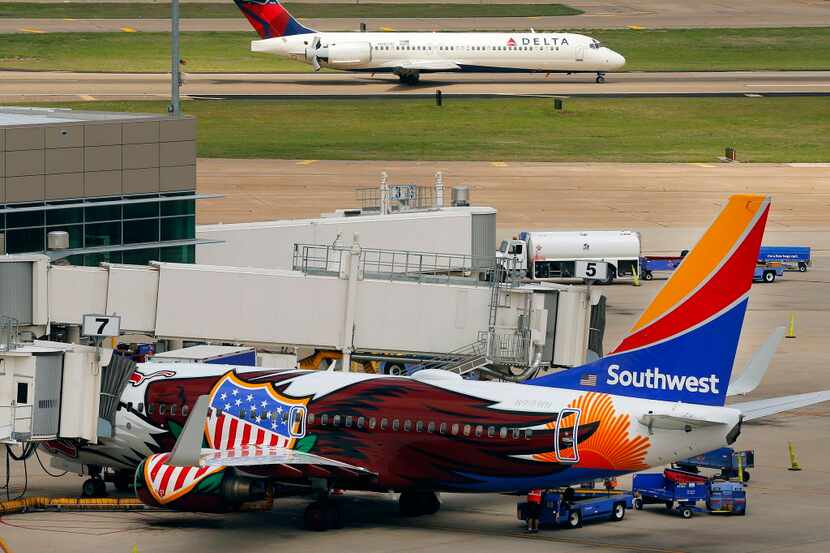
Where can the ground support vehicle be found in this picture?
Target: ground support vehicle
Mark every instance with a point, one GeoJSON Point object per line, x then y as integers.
{"type": "Point", "coordinates": [681, 491]}
{"type": "Point", "coordinates": [649, 264]}
{"type": "Point", "coordinates": [725, 459]}
{"type": "Point", "coordinates": [768, 272]}
{"type": "Point", "coordinates": [793, 258]}
{"type": "Point", "coordinates": [571, 507]}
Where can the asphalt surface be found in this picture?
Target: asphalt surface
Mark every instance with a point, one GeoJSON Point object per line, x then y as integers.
{"type": "Point", "coordinates": [22, 86]}
{"type": "Point", "coordinates": [605, 14]}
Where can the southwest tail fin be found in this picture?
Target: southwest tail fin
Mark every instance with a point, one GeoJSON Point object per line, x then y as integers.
{"type": "Point", "coordinates": [683, 346]}
{"type": "Point", "coordinates": [270, 19]}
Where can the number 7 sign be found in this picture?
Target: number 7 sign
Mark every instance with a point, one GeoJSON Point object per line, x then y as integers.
{"type": "Point", "coordinates": [101, 325]}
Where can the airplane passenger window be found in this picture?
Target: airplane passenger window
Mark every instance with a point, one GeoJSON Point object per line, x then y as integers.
{"type": "Point", "coordinates": [443, 428]}
{"type": "Point", "coordinates": [285, 416]}
{"type": "Point", "coordinates": [528, 434]}
{"type": "Point", "coordinates": [185, 410]}
{"type": "Point", "coordinates": [310, 418]}
{"type": "Point", "coordinates": [162, 408]}
{"type": "Point", "coordinates": [516, 433]}
{"type": "Point", "coordinates": [383, 423]}
{"type": "Point", "coordinates": [479, 431]}
{"type": "Point", "coordinates": [454, 430]}
{"type": "Point", "coordinates": [335, 421]}
{"type": "Point", "coordinates": [361, 421]}
{"type": "Point", "coordinates": [324, 420]}
{"type": "Point", "coordinates": [372, 423]}
{"type": "Point", "coordinates": [407, 425]}
{"type": "Point", "coordinates": [503, 433]}
{"type": "Point", "coordinates": [431, 427]}
{"type": "Point", "coordinates": [173, 410]}
{"type": "Point", "coordinates": [419, 426]}
{"type": "Point", "coordinates": [467, 429]}
{"type": "Point", "coordinates": [491, 431]}
{"type": "Point", "coordinates": [396, 425]}
{"type": "Point", "coordinates": [242, 415]}
{"type": "Point", "coordinates": [140, 407]}
{"type": "Point", "coordinates": [150, 408]}
{"type": "Point", "coordinates": [348, 421]}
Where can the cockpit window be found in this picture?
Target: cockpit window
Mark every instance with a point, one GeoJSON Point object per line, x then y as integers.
{"type": "Point", "coordinates": [597, 45]}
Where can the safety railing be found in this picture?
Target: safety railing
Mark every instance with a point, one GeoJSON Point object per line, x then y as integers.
{"type": "Point", "coordinates": [9, 333]}
{"type": "Point", "coordinates": [405, 265]}
{"type": "Point", "coordinates": [397, 198]}
{"type": "Point", "coordinates": [507, 348]}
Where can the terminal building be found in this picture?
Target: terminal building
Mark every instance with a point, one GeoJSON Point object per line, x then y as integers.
{"type": "Point", "coordinates": [91, 187]}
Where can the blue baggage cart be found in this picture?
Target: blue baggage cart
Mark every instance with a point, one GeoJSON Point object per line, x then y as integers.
{"type": "Point", "coordinates": [725, 459]}
{"type": "Point", "coordinates": [768, 272]}
{"type": "Point", "coordinates": [677, 490]}
{"type": "Point", "coordinates": [571, 508]}
{"type": "Point", "coordinates": [794, 258]}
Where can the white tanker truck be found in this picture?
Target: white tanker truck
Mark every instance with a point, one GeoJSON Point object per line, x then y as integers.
{"type": "Point", "coordinates": [552, 255]}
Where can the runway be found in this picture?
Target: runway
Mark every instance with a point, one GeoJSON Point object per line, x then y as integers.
{"type": "Point", "coordinates": [22, 86]}
{"type": "Point", "coordinates": [599, 14]}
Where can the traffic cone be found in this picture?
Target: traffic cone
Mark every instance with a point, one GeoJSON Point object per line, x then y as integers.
{"type": "Point", "coordinates": [791, 331]}
{"type": "Point", "coordinates": [793, 459]}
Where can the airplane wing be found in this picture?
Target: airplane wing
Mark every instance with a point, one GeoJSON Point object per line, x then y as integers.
{"type": "Point", "coordinates": [429, 65]}
{"type": "Point", "coordinates": [764, 407]}
{"type": "Point", "coordinates": [757, 367]}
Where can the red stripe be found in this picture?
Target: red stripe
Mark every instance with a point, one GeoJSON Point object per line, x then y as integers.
{"type": "Point", "coordinates": [274, 439]}
{"type": "Point", "coordinates": [246, 433]}
{"type": "Point", "coordinates": [155, 470]}
{"type": "Point", "coordinates": [180, 480]}
{"type": "Point", "coordinates": [730, 282]}
{"type": "Point", "coordinates": [217, 439]}
{"type": "Point", "coordinates": [165, 478]}
{"type": "Point", "coordinates": [232, 432]}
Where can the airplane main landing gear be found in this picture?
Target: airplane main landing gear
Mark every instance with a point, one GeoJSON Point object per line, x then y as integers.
{"type": "Point", "coordinates": [322, 515]}
{"type": "Point", "coordinates": [94, 486]}
{"type": "Point", "coordinates": [416, 503]}
{"type": "Point", "coordinates": [409, 77]}
{"type": "Point", "coordinates": [600, 78]}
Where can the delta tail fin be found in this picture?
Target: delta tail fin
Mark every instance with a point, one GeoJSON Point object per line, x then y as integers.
{"type": "Point", "coordinates": [683, 346]}
{"type": "Point", "coordinates": [270, 19]}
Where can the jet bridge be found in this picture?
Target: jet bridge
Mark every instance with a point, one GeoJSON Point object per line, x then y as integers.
{"type": "Point", "coordinates": [346, 306]}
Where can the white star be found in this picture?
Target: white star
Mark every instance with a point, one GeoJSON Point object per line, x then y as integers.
{"type": "Point", "coordinates": [279, 409]}
{"type": "Point", "coordinates": [249, 398]}
{"type": "Point", "coordinates": [274, 425]}
{"type": "Point", "coordinates": [238, 402]}
{"type": "Point", "coordinates": [235, 392]}
{"type": "Point", "coordinates": [227, 407]}
{"type": "Point", "coordinates": [258, 420]}
{"type": "Point", "coordinates": [224, 396]}
{"type": "Point", "coordinates": [263, 403]}
{"type": "Point", "coordinates": [268, 415]}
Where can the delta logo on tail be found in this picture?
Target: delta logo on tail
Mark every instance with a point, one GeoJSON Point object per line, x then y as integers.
{"type": "Point", "coordinates": [683, 346]}
{"type": "Point", "coordinates": [511, 43]}
{"type": "Point", "coordinates": [270, 19]}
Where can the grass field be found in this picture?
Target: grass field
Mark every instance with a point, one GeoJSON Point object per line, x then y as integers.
{"type": "Point", "coordinates": [657, 50]}
{"type": "Point", "coordinates": [138, 10]}
{"type": "Point", "coordinates": [650, 130]}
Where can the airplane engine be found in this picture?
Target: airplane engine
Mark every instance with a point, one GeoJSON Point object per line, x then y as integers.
{"type": "Point", "coordinates": [348, 53]}
{"type": "Point", "coordinates": [194, 489]}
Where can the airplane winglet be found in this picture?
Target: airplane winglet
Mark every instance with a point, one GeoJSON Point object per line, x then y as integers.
{"type": "Point", "coordinates": [188, 447]}
{"type": "Point", "coordinates": [757, 366]}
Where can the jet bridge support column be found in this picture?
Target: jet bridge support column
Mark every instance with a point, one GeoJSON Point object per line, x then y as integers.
{"type": "Point", "coordinates": [353, 268]}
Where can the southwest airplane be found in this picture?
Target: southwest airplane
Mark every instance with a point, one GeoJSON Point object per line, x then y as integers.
{"type": "Point", "coordinates": [407, 55]}
{"type": "Point", "coordinates": [658, 397]}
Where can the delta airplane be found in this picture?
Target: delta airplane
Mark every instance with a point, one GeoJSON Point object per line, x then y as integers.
{"type": "Point", "coordinates": [210, 438]}
{"type": "Point", "coordinates": [407, 55]}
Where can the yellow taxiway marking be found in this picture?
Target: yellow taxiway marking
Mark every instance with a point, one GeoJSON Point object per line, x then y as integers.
{"type": "Point", "coordinates": [37, 31]}
{"type": "Point", "coordinates": [634, 27]}
{"type": "Point", "coordinates": [127, 29]}
{"type": "Point", "coordinates": [705, 165]}
{"type": "Point", "coordinates": [87, 98]}
{"type": "Point", "coordinates": [498, 164]}
{"type": "Point", "coordinates": [69, 19]}
{"type": "Point", "coordinates": [387, 29]}
{"type": "Point", "coordinates": [306, 161]}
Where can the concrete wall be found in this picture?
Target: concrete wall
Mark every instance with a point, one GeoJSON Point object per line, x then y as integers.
{"type": "Point", "coordinates": [56, 161]}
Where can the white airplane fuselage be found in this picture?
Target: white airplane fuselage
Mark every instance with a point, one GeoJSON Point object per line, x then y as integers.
{"type": "Point", "coordinates": [438, 52]}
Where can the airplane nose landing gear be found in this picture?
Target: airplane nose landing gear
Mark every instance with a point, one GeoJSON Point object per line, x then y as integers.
{"type": "Point", "coordinates": [600, 77]}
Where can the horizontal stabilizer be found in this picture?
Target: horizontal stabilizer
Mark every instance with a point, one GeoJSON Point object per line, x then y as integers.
{"type": "Point", "coordinates": [765, 407]}
{"type": "Point", "coordinates": [757, 367]}
{"type": "Point", "coordinates": [682, 419]}
{"type": "Point", "coordinates": [429, 65]}
{"type": "Point", "coordinates": [259, 455]}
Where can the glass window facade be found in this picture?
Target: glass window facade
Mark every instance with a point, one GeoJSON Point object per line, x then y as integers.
{"type": "Point", "coordinates": [134, 220]}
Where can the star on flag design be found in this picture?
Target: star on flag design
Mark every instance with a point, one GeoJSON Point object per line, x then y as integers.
{"type": "Point", "coordinates": [253, 414]}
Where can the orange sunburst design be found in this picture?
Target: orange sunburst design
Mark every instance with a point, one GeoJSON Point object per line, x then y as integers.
{"type": "Point", "coordinates": [610, 446]}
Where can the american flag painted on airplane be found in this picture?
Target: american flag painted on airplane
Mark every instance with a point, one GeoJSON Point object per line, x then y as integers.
{"type": "Point", "coordinates": [244, 414]}
{"type": "Point", "coordinates": [167, 482]}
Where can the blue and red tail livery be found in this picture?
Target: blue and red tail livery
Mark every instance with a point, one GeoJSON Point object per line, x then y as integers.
{"type": "Point", "coordinates": [270, 19]}
{"type": "Point", "coordinates": [683, 346]}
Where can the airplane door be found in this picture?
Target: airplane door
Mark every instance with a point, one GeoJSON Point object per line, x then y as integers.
{"type": "Point", "coordinates": [565, 437]}
{"type": "Point", "coordinates": [579, 54]}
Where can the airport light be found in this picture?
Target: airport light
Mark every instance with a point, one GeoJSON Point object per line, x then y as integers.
{"type": "Point", "coordinates": [175, 76]}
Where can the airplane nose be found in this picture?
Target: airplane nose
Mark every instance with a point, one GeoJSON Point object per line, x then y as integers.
{"type": "Point", "coordinates": [617, 60]}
